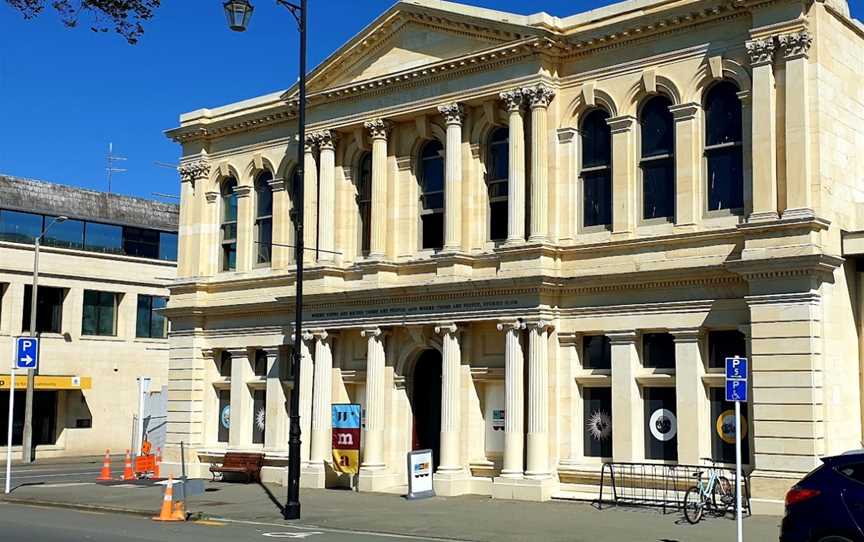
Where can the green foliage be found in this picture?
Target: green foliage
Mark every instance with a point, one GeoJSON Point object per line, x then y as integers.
{"type": "Point", "coordinates": [126, 17]}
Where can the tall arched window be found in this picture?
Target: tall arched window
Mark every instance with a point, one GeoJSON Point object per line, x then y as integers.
{"type": "Point", "coordinates": [658, 159]}
{"type": "Point", "coordinates": [364, 201]}
{"type": "Point", "coordinates": [432, 195]}
{"type": "Point", "coordinates": [497, 177]}
{"type": "Point", "coordinates": [263, 218]}
{"type": "Point", "coordinates": [596, 171]}
{"type": "Point", "coordinates": [724, 147]}
{"type": "Point", "coordinates": [228, 227]}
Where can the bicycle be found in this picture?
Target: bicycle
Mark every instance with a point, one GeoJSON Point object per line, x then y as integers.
{"type": "Point", "coordinates": [716, 494]}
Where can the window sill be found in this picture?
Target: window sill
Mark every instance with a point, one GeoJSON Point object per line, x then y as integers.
{"type": "Point", "coordinates": [150, 340]}
{"type": "Point", "coordinates": [103, 338]}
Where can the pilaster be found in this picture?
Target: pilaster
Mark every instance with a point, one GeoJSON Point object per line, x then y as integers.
{"type": "Point", "coordinates": [764, 125]}
{"type": "Point", "coordinates": [193, 176]}
{"type": "Point", "coordinates": [245, 222]}
{"type": "Point", "coordinates": [454, 115]}
{"type": "Point", "coordinates": [623, 174]}
{"type": "Point", "coordinates": [283, 227]}
{"type": "Point", "coordinates": [627, 431]}
{"type": "Point", "coordinates": [451, 478]}
{"type": "Point", "coordinates": [276, 415]}
{"type": "Point", "coordinates": [240, 433]}
{"type": "Point", "coordinates": [799, 197]}
{"type": "Point", "coordinates": [691, 402]}
{"type": "Point", "coordinates": [513, 101]}
{"type": "Point", "coordinates": [327, 195]}
{"type": "Point", "coordinates": [310, 199]}
{"type": "Point", "coordinates": [379, 130]}
{"type": "Point", "coordinates": [688, 164]}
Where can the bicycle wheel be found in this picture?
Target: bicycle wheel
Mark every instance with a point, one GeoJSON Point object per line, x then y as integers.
{"type": "Point", "coordinates": [694, 505]}
{"type": "Point", "coordinates": [723, 495]}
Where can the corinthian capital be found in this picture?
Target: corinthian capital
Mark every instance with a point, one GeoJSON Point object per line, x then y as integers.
{"type": "Point", "coordinates": [512, 99]}
{"type": "Point", "coordinates": [453, 113]}
{"type": "Point", "coordinates": [192, 171]}
{"type": "Point", "coordinates": [326, 139]}
{"type": "Point", "coordinates": [378, 128]}
{"type": "Point", "coordinates": [796, 45]}
{"type": "Point", "coordinates": [539, 95]}
{"type": "Point", "coordinates": [761, 51]}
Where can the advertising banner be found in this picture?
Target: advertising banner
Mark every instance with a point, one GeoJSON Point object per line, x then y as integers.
{"type": "Point", "coordinates": [346, 438]}
{"type": "Point", "coordinates": [420, 474]}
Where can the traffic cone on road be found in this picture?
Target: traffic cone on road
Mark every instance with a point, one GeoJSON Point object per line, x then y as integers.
{"type": "Point", "coordinates": [106, 467]}
{"type": "Point", "coordinates": [158, 466]}
{"type": "Point", "coordinates": [168, 511]}
{"type": "Point", "coordinates": [127, 469]}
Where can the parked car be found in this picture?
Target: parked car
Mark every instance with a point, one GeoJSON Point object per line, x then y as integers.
{"type": "Point", "coordinates": [827, 505]}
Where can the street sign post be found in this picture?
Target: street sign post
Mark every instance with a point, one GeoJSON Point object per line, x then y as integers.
{"type": "Point", "coordinates": [11, 416]}
{"type": "Point", "coordinates": [27, 353]}
{"type": "Point", "coordinates": [736, 391]}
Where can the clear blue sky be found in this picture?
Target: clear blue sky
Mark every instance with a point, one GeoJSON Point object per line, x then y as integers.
{"type": "Point", "coordinates": [66, 93]}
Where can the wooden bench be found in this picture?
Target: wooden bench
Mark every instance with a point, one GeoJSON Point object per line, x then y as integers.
{"type": "Point", "coordinates": [248, 464]}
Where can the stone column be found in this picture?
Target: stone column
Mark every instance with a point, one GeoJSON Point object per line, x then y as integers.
{"type": "Point", "coordinates": [327, 196]}
{"type": "Point", "coordinates": [761, 54]}
{"type": "Point", "coordinates": [453, 114]}
{"type": "Point", "coordinates": [538, 400]}
{"type": "Point", "coordinates": [208, 245]}
{"type": "Point", "coordinates": [539, 98]}
{"type": "Point", "coordinates": [245, 226]}
{"type": "Point", "coordinates": [283, 227]}
{"type": "Point", "coordinates": [513, 100]}
{"type": "Point", "coordinates": [623, 174]}
{"type": "Point", "coordinates": [451, 416]}
{"type": "Point", "coordinates": [240, 432]}
{"type": "Point", "coordinates": [321, 399]}
{"type": "Point", "coordinates": [306, 383]}
{"type": "Point", "coordinates": [514, 432]}
{"type": "Point", "coordinates": [379, 129]}
{"type": "Point", "coordinates": [691, 400]}
{"type": "Point", "coordinates": [310, 198]}
{"type": "Point", "coordinates": [276, 415]}
{"type": "Point", "coordinates": [688, 164]}
{"type": "Point", "coordinates": [373, 454]}
{"type": "Point", "coordinates": [193, 177]}
{"type": "Point", "coordinates": [799, 199]}
{"type": "Point", "coordinates": [627, 419]}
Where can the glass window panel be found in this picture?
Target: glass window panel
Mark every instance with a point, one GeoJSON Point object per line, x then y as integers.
{"type": "Point", "coordinates": [433, 230]}
{"type": "Point", "coordinates": [99, 313]}
{"type": "Point", "coordinates": [725, 178]}
{"type": "Point", "coordinates": [263, 194]}
{"type": "Point", "coordinates": [432, 167]}
{"type": "Point", "coordinates": [724, 344]}
{"type": "Point", "coordinates": [140, 242]}
{"type": "Point", "coordinates": [596, 139]}
{"type": "Point", "coordinates": [143, 316]}
{"type": "Point", "coordinates": [49, 309]}
{"type": "Point", "coordinates": [657, 127]}
{"type": "Point", "coordinates": [224, 365]}
{"type": "Point", "coordinates": [433, 201]}
{"type": "Point", "coordinates": [158, 322]}
{"type": "Point", "coordinates": [90, 318]}
{"type": "Point", "coordinates": [596, 352]}
{"type": "Point", "coordinates": [364, 178]}
{"type": "Point", "coordinates": [597, 188]}
{"type": "Point", "coordinates": [658, 192]}
{"type": "Point", "coordinates": [265, 240]}
{"type": "Point", "coordinates": [103, 237]}
{"type": "Point", "coordinates": [229, 200]}
{"type": "Point", "coordinates": [20, 227]}
{"type": "Point", "coordinates": [260, 366]}
{"type": "Point", "coordinates": [168, 246]}
{"type": "Point", "coordinates": [723, 115]}
{"type": "Point", "coordinates": [597, 405]}
{"type": "Point", "coordinates": [66, 234]}
{"type": "Point", "coordinates": [229, 257]}
{"type": "Point", "coordinates": [229, 232]}
{"type": "Point", "coordinates": [661, 424]}
{"type": "Point", "coordinates": [723, 429]}
{"type": "Point", "coordinates": [259, 416]}
{"type": "Point", "coordinates": [498, 220]}
{"type": "Point", "coordinates": [658, 350]}
{"type": "Point", "coordinates": [499, 152]}
{"type": "Point", "coordinates": [224, 414]}
{"type": "Point", "coordinates": [365, 209]}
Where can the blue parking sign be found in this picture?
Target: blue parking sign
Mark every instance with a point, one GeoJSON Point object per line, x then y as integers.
{"type": "Point", "coordinates": [736, 390]}
{"type": "Point", "coordinates": [26, 353]}
{"type": "Point", "coordinates": [736, 368]}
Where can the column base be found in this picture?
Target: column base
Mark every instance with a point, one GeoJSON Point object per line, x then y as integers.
{"type": "Point", "coordinates": [376, 479]}
{"type": "Point", "coordinates": [313, 475]}
{"type": "Point", "coordinates": [451, 483]}
{"type": "Point", "coordinates": [802, 213]}
{"type": "Point", "coordinates": [524, 489]}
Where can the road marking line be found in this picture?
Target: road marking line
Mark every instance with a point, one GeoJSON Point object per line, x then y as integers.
{"type": "Point", "coordinates": [70, 484]}
{"type": "Point", "coordinates": [291, 535]}
{"type": "Point", "coordinates": [345, 531]}
{"type": "Point", "coordinates": [16, 477]}
{"type": "Point", "coordinates": [209, 523]}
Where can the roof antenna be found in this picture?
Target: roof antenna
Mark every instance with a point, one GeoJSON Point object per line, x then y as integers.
{"type": "Point", "coordinates": [111, 169]}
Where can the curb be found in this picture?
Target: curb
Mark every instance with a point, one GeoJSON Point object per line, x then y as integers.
{"type": "Point", "coordinates": [76, 506]}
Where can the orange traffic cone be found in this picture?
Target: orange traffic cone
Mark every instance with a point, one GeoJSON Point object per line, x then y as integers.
{"type": "Point", "coordinates": [179, 511]}
{"type": "Point", "coordinates": [168, 511]}
{"type": "Point", "coordinates": [127, 469]}
{"type": "Point", "coordinates": [106, 467]}
{"type": "Point", "coordinates": [158, 463]}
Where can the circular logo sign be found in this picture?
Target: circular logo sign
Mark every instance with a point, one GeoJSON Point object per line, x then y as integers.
{"type": "Point", "coordinates": [663, 424]}
{"type": "Point", "coordinates": [726, 426]}
{"type": "Point", "coordinates": [225, 416]}
{"type": "Point", "coordinates": [599, 425]}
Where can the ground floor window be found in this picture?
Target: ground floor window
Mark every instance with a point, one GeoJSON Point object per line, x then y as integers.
{"type": "Point", "coordinates": [44, 417]}
{"type": "Point", "coordinates": [661, 424]}
{"type": "Point", "coordinates": [598, 422]}
{"type": "Point", "coordinates": [723, 428]}
{"type": "Point", "coordinates": [259, 416]}
{"type": "Point", "coordinates": [224, 415]}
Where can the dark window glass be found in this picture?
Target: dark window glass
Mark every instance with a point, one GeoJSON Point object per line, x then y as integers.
{"type": "Point", "coordinates": [855, 471]}
{"type": "Point", "coordinates": [497, 178]}
{"type": "Point", "coordinates": [723, 429]}
{"type": "Point", "coordinates": [364, 201]}
{"type": "Point", "coordinates": [264, 218]}
{"type": "Point", "coordinates": [49, 309]}
{"type": "Point", "coordinates": [596, 352]}
{"type": "Point", "coordinates": [724, 147]}
{"type": "Point", "coordinates": [658, 160]}
{"type": "Point", "coordinates": [19, 227]}
{"type": "Point", "coordinates": [658, 350]}
{"type": "Point", "coordinates": [432, 194]}
{"type": "Point", "coordinates": [596, 139]}
{"type": "Point", "coordinates": [260, 366]}
{"type": "Point", "coordinates": [224, 414]}
{"type": "Point", "coordinates": [661, 424]}
{"type": "Point", "coordinates": [229, 224]}
{"type": "Point", "coordinates": [100, 309]}
{"type": "Point", "coordinates": [66, 234]}
{"type": "Point", "coordinates": [597, 405]}
{"type": "Point", "coordinates": [224, 365]}
{"type": "Point", "coordinates": [295, 182]}
{"type": "Point", "coordinates": [151, 323]}
{"type": "Point", "coordinates": [259, 416]}
{"type": "Point", "coordinates": [103, 238]}
{"type": "Point", "coordinates": [140, 242]}
{"type": "Point", "coordinates": [168, 246]}
{"type": "Point", "coordinates": [724, 344]}
{"type": "Point", "coordinates": [596, 171]}
{"type": "Point", "coordinates": [597, 193]}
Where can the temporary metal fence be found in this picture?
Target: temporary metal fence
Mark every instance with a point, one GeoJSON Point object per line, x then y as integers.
{"type": "Point", "coordinates": [660, 485]}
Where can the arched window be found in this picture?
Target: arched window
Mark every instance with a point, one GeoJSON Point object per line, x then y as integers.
{"type": "Point", "coordinates": [432, 195]}
{"type": "Point", "coordinates": [658, 160]}
{"type": "Point", "coordinates": [596, 171]}
{"type": "Point", "coordinates": [364, 201]}
{"type": "Point", "coordinates": [263, 218]}
{"type": "Point", "coordinates": [724, 147]}
{"type": "Point", "coordinates": [229, 224]}
{"type": "Point", "coordinates": [497, 176]}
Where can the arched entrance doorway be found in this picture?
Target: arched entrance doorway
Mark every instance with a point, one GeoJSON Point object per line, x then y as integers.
{"type": "Point", "coordinates": [426, 403]}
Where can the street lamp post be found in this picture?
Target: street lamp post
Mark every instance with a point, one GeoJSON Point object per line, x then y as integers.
{"type": "Point", "coordinates": [27, 444]}
{"type": "Point", "coordinates": [239, 12]}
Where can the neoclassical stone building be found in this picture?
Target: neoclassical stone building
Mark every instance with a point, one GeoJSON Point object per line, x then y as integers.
{"type": "Point", "coordinates": [532, 241]}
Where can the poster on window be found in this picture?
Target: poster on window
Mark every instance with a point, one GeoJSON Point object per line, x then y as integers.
{"type": "Point", "coordinates": [224, 414]}
{"type": "Point", "coordinates": [494, 416]}
{"type": "Point", "coordinates": [661, 424]}
{"type": "Point", "coordinates": [259, 416]}
{"type": "Point", "coordinates": [597, 405]}
{"type": "Point", "coordinates": [723, 429]}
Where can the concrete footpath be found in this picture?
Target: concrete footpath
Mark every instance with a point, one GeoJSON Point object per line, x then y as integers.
{"type": "Point", "coordinates": [472, 518]}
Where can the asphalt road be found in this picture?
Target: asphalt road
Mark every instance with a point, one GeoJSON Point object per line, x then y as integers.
{"type": "Point", "coordinates": [57, 472]}
{"type": "Point", "coordinates": [27, 523]}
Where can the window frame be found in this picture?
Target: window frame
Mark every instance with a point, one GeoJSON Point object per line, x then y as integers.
{"type": "Point", "coordinates": [225, 242]}
{"type": "Point", "coordinates": [56, 313]}
{"type": "Point", "coordinates": [115, 301]}
{"type": "Point", "coordinates": [423, 194]}
{"type": "Point", "coordinates": [491, 182]}
{"type": "Point", "coordinates": [642, 161]}
{"type": "Point", "coordinates": [719, 148]}
{"type": "Point", "coordinates": [364, 202]}
{"type": "Point", "coordinates": [150, 316]}
{"type": "Point", "coordinates": [583, 170]}
{"type": "Point", "coordinates": [261, 185]}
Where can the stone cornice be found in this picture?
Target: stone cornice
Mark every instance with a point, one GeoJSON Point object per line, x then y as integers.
{"type": "Point", "coordinates": [820, 265]}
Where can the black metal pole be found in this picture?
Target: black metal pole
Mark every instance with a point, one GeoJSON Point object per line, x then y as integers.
{"type": "Point", "coordinates": [292, 507]}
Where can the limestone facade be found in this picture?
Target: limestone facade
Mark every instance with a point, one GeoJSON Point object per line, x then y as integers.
{"type": "Point", "coordinates": [671, 185]}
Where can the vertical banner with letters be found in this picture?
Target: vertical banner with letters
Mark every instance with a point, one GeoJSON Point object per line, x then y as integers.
{"type": "Point", "coordinates": [346, 438]}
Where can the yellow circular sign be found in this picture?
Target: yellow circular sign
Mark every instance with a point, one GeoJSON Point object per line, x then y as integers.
{"type": "Point", "coordinates": [726, 426]}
